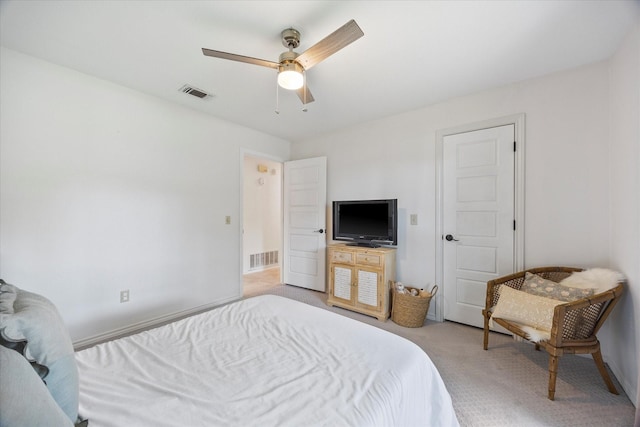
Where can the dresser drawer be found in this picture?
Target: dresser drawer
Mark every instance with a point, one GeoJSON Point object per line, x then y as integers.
{"type": "Point", "coordinates": [342, 257]}
{"type": "Point", "coordinates": [369, 259]}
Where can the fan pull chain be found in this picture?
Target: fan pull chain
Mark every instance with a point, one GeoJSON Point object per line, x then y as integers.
{"type": "Point", "coordinates": [304, 91]}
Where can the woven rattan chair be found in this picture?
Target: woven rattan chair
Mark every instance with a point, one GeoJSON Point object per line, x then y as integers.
{"type": "Point", "coordinates": [590, 313]}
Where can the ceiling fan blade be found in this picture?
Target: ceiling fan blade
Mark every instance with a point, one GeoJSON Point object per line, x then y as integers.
{"type": "Point", "coordinates": [326, 47]}
{"type": "Point", "coordinates": [306, 98]}
{"type": "Point", "coordinates": [240, 58]}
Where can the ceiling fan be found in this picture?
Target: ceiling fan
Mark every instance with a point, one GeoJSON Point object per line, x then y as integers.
{"type": "Point", "coordinates": [291, 66]}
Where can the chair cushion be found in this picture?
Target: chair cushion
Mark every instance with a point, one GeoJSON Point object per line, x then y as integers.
{"type": "Point", "coordinates": [525, 308]}
{"type": "Point", "coordinates": [31, 326]}
{"type": "Point", "coordinates": [536, 285]}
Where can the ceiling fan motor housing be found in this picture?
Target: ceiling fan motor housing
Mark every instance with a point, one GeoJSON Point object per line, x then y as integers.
{"type": "Point", "coordinates": [289, 56]}
{"type": "Point", "coordinates": [288, 65]}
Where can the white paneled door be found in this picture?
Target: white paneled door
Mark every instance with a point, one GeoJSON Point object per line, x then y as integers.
{"type": "Point", "coordinates": [478, 217]}
{"type": "Point", "coordinates": [305, 199]}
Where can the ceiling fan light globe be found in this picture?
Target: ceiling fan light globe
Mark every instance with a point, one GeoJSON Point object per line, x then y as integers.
{"type": "Point", "coordinates": [290, 74]}
{"type": "Point", "coordinates": [290, 79]}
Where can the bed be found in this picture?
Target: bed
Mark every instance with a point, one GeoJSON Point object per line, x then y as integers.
{"type": "Point", "coordinates": [267, 361]}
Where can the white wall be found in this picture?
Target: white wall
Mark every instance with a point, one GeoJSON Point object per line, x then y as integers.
{"type": "Point", "coordinates": [104, 188]}
{"type": "Point", "coordinates": [567, 174]}
{"type": "Point", "coordinates": [566, 179]}
{"type": "Point", "coordinates": [262, 209]}
{"type": "Point", "coordinates": [622, 331]}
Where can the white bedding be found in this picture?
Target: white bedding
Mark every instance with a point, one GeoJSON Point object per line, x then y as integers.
{"type": "Point", "coordinates": [266, 361]}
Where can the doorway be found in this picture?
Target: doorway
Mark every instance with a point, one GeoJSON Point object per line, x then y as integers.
{"type": "Point", "coordinates": [480, 213]}
{"type": "Point", "coordinates": [262, 224]}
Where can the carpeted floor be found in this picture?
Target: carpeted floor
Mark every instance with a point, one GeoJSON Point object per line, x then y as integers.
{"type": "Point", "coordinates": [505, 385]}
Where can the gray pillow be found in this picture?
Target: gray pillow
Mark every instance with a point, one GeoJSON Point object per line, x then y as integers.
{"type": "Point", "coordinates": [24, 398]}
{"type": "Point", "coordinates": [536, 285]}
{"type": "Point", "coordinates": [31, 325]}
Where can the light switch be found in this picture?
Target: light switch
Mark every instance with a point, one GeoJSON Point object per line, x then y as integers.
{"type": "Point", "coordinates": [227, 219]}
{"type": "Point", "coordinates": [414, 219]}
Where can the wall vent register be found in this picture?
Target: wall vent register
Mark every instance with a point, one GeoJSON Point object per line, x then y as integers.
{"type": "Point", "coordinates": [263, 259]}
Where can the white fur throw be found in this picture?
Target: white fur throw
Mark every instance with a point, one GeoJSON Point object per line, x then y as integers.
{"type": "Point", "coordinates": [601, 279]}
{"type": "Point", "coordinates": [535, 335]}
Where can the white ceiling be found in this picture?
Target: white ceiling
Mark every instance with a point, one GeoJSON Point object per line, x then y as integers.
{"type": "Point", "coordinates": [413, 53]}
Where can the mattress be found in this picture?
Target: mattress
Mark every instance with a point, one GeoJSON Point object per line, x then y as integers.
{"type": "Point", "coordinates": [267, 361]}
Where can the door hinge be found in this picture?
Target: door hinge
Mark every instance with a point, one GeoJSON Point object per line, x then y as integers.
{"type": "Point", "coordinates": [514, 224]}
{"type": "Point", "coordinates": [514, 146]}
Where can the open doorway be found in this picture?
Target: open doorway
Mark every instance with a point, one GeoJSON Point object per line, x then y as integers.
{"type": "Point", "coordinates": [262, 225]}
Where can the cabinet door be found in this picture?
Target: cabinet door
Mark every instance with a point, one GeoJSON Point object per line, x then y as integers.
{"type": "Point", "coordinates": [369, 286]}
{"type": "Point", "coordinates": [342, 283]}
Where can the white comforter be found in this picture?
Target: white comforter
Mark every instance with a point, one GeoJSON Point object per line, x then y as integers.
{"type": "Point", "coordinates": [266, 361]}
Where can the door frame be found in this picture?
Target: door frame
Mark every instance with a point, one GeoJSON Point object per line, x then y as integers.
{"type": "Point", "coordinates": [243, 153]}
{"type": "Point", "coordinates": [518, 120]}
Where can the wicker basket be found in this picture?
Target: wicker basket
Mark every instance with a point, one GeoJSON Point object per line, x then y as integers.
{"type": "Point", "coordinates": [409, 310]}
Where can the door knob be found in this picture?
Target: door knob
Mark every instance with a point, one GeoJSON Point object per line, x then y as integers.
{"type": "Point", "coordinates": [319, 231]}
{"type": "Point", "coordinates": [449, 238]}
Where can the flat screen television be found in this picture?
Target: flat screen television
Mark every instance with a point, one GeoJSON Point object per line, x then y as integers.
{"type": "Point", "coordinates": [366, 222]}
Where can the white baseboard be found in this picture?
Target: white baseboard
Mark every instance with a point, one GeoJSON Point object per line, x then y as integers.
{"type": "Point", "coordinates": [146, 324]}
{"type": "Point", "coordinates": [630, 389]}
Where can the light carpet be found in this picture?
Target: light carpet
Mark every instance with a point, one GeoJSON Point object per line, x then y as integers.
{"type": "Point", "coordinates": [505, 385]}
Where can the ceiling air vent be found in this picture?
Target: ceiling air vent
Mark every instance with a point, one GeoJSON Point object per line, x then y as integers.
{"type": "Point", "coordinates": [199, 93]}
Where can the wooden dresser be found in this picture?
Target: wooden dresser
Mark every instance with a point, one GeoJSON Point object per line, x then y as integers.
{"type": "Point", "coordinates": [359, 279]}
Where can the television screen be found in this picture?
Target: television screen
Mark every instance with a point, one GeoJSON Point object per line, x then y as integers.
{"type": "Point", "coordinates": [365, 222]}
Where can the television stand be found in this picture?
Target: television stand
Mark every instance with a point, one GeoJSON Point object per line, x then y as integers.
{"type": "Point", "coordinates": [359, 279]}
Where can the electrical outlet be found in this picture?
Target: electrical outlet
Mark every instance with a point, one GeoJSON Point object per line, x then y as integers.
{"type": "Point", "coordinates": [124, 296]}
{"type": "Point", "coordinates": [414, 219]}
